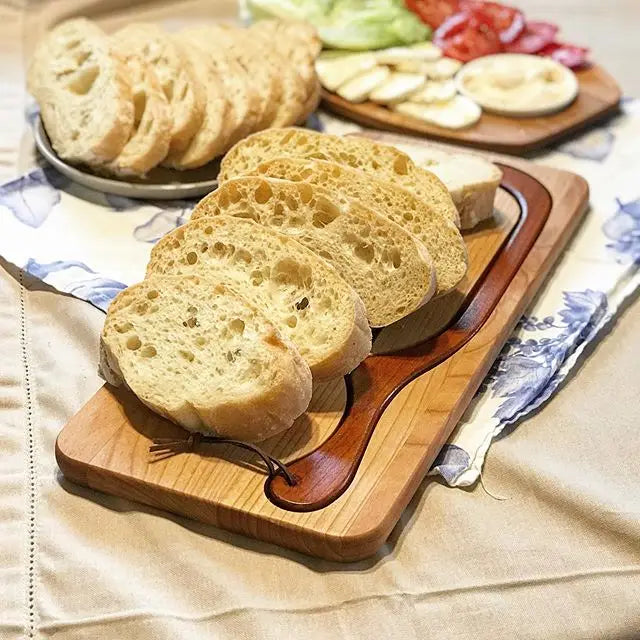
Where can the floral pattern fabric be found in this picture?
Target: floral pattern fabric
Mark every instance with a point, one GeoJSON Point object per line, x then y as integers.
{"type": "Point", "coordinates": [93, 245]}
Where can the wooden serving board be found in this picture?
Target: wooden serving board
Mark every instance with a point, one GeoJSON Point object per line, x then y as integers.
{"type": "Point", "coordinates": [599, 97]}
{"type": "Point", "coordinates": [360, 451]}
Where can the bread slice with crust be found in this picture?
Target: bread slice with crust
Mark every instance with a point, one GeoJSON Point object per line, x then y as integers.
{"type": "Point", "coordinates": [182, 88]}
{"type": "Point", "coordinates": [378, 160]}
{"type": "Point", "coordinates": [441, 237]}
{"type": "Point", "coordinates": [209, 141]}
{"type": "Point", "coordinates": [389, 269]}
{"type": "Point", "coordinates": [304, 297]}
{"type": "Point", "coordinates": [296, 43]}
{"type": "Point", "coordinates": [81, 85]}
{"type": "Point", "coordinates": [261, 65]}
{"type": "Point", "coordinates": [151, 133]}
{"type": "Point", "coordinates": [196, 352]}
{"type": "Point", "coordinates": [243, 102]}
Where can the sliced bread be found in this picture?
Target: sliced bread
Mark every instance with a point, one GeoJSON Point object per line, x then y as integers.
{"type": "Point", "coordinates": [471, 179]}
{"type": "Point", "coordinates": [440, 236]}
{"type": "Point", "coordinates": [85, 99]}
{"type": "Point", "coordinates": [260, 63]}
{"type": "Point", "coordinates": [151, 134]}
{"type": "Point", "coordinates": [378, 160]}
{"type": "Point", "coordinates": [196, 352]}
{"type": "Point", "coordinates": [293, 86]}
{"type": "Point", "coordinates": [209, 141]}
{"type": "Point", "coordinates": [182, 88]}
{"type": "Point", "coordinates": [243, 102]}
{"type": "Point", "coordinates": [304, 297]}
{"type": "Point", "coordinates": [389, 269]}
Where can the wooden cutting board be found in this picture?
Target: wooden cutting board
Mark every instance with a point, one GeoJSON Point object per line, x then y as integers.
{"type": "Point", "coordinates": [599, 97]}
{"type": "Point", "coordinates": [367, 441]}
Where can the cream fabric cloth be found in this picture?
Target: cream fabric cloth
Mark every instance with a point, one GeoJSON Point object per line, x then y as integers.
{"type": "Point", "coordinates": [558, 558]}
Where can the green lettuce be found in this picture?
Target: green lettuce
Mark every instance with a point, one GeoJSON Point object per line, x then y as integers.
{"type": "Point", "coordinates": [356, 25]}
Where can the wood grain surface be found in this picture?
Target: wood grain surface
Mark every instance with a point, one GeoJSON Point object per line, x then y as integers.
{"type": "Point", "coordinates": [598, 98]}
{"type": "Point", "coordinates": [105, 446]}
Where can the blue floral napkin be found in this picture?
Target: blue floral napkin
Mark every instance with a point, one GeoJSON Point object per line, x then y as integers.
{"type": "Point", "coordinates": [92, 245]}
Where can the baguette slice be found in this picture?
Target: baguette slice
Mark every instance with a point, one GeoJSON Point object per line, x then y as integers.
{"type": "Point", "coordinates": [243, 101]}
{"type": "Point", "coordinates": [196, 352]}
{"type": "Point", "coordinates": [471, 179]}
{"type": "Point", "coordinates": [305, 298]}
{"type": "Point", "coordinates": [299, 46]}
{"type": "Point", "coordinates": [440, 236]}
{"type": "Point", "coordinates": [209, 141]}
{"type": "Point", "coordinates": [260, 63]}
{"type": "Point", "coordinates": [378, 160]}
{"type": "Point", "coordinates": [151, 134]}
{"type": "Point", "coordinates": [389, 269]}
{"type": "Point", "coordinates": [294, 87]}
{"type": "Point", "coordinates": [85, 99]}
{"type": "Point", "coordinates": [182, 88]}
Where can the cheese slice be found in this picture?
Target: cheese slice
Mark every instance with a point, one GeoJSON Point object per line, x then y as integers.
{"type": "Point", "coordinates": [434, 91]}
{"type": "Point", "coordinates": [423, 52]}
{"type": "Point", "coordinates": [441, 69]}
{"type": "Point", "coordinates": [359, 88]}
{"type": "Point", "coordinates": [334, 71]}
{"type": "Point", "coordinates": [397, 87]}
{"type": "Point", "coordinates": [457, 113]}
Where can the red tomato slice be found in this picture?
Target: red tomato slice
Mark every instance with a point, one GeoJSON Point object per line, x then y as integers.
{"type": "Point", "coordinates": [433, 12]}
{"type": "Point", "coordinates": [507, 21]}
{"type": "Point", "coordinates": [569, 55]}
{"type": "Point", "coordinates": [466, 36]}
{"type": "Point", "coordinates": [536, 36]}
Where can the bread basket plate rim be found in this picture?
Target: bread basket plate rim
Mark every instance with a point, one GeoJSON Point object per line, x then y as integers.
{"type": "Point", "coordinates": [161, 183]}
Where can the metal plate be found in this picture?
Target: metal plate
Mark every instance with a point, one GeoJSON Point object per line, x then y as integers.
{"type": "Point", "coordinates": [159, 184]}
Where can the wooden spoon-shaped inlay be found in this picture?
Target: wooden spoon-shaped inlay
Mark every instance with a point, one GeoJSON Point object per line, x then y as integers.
{"type": "Point", "coordinates": [324, 474]}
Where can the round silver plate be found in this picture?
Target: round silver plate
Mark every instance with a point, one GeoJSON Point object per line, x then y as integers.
{"type": "Point", "coordinates": [159, 184]}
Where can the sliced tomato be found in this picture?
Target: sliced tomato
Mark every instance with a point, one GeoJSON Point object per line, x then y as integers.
{"type": "Point", "coordinates": [507, 21]}
{"type": "Point", "coordinates": [433, 12]}
{"type": "Point", "coordinates": [569, 55]}
{"type": "Point", "coordinates": [536, 36]}
{"type": "Point", "coordinates": [466, 36]}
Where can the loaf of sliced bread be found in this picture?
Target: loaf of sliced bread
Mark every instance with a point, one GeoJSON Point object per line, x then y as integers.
{"type": "Point", "coordinates": [439, 235]}
{"type": "Point", "coordinates": [296, 43]}
{"type": "Point", "coordinates": [293, 86]}
{"type": "Point", "coordinates": [378, 160]}
{"type": "Point", "coordinates": [260, 62]}
{"type": "Point", "coordinates": [304, 297]}
{"type": "Point", "coordinates": [198, 353]}
{"type": "Point", "coordinates": [182, 88]}
{"type": "Point", "coordinates": [389, 269]}
{"type": "Point", "coordinates": [243, 102]}
{"type": "Point", "coordinates": [471, 179]}
{"type": "Point", "coordinates": [81, 85]}
{"type": "Point", "coordinates": [151, 133]}
{"type": "Point", "coordinates": [209, 141]}
{"type": "Point", "coordinates": [311, 103]}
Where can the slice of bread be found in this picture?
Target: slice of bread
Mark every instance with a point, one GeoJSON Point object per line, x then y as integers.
{"type": "Point", "coordinates": [389, 269]}
{"type": "Point", "coordinates": [260, 63]}
{"type": "Point", "coordinates": [243, 102]}
{"type": "Point", "coordinates": [378, 160]}
{"type": "Point", "coordinates": [471, 179]}
{"type": "Point", "coordinates": [209, 141]}
{"type": "Point", "coordinates": [151, 134]}
{"type": "Point", "coordinates": [297, 43]}
{"type": "Point", "coordinates": [80, 82]}
{"type": "Point", "coordinates": [182, 88]}
{"type": "Point", "coordinates": [304, 297]}
{"type": "Point", "coordinates": [439, 235]}
{"type": "Point", "coordinates": [196, 352]}
{"type": "Point", "coordinates": [293, 85]}
{"type": "Point", "coordinates": [311, 104]}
